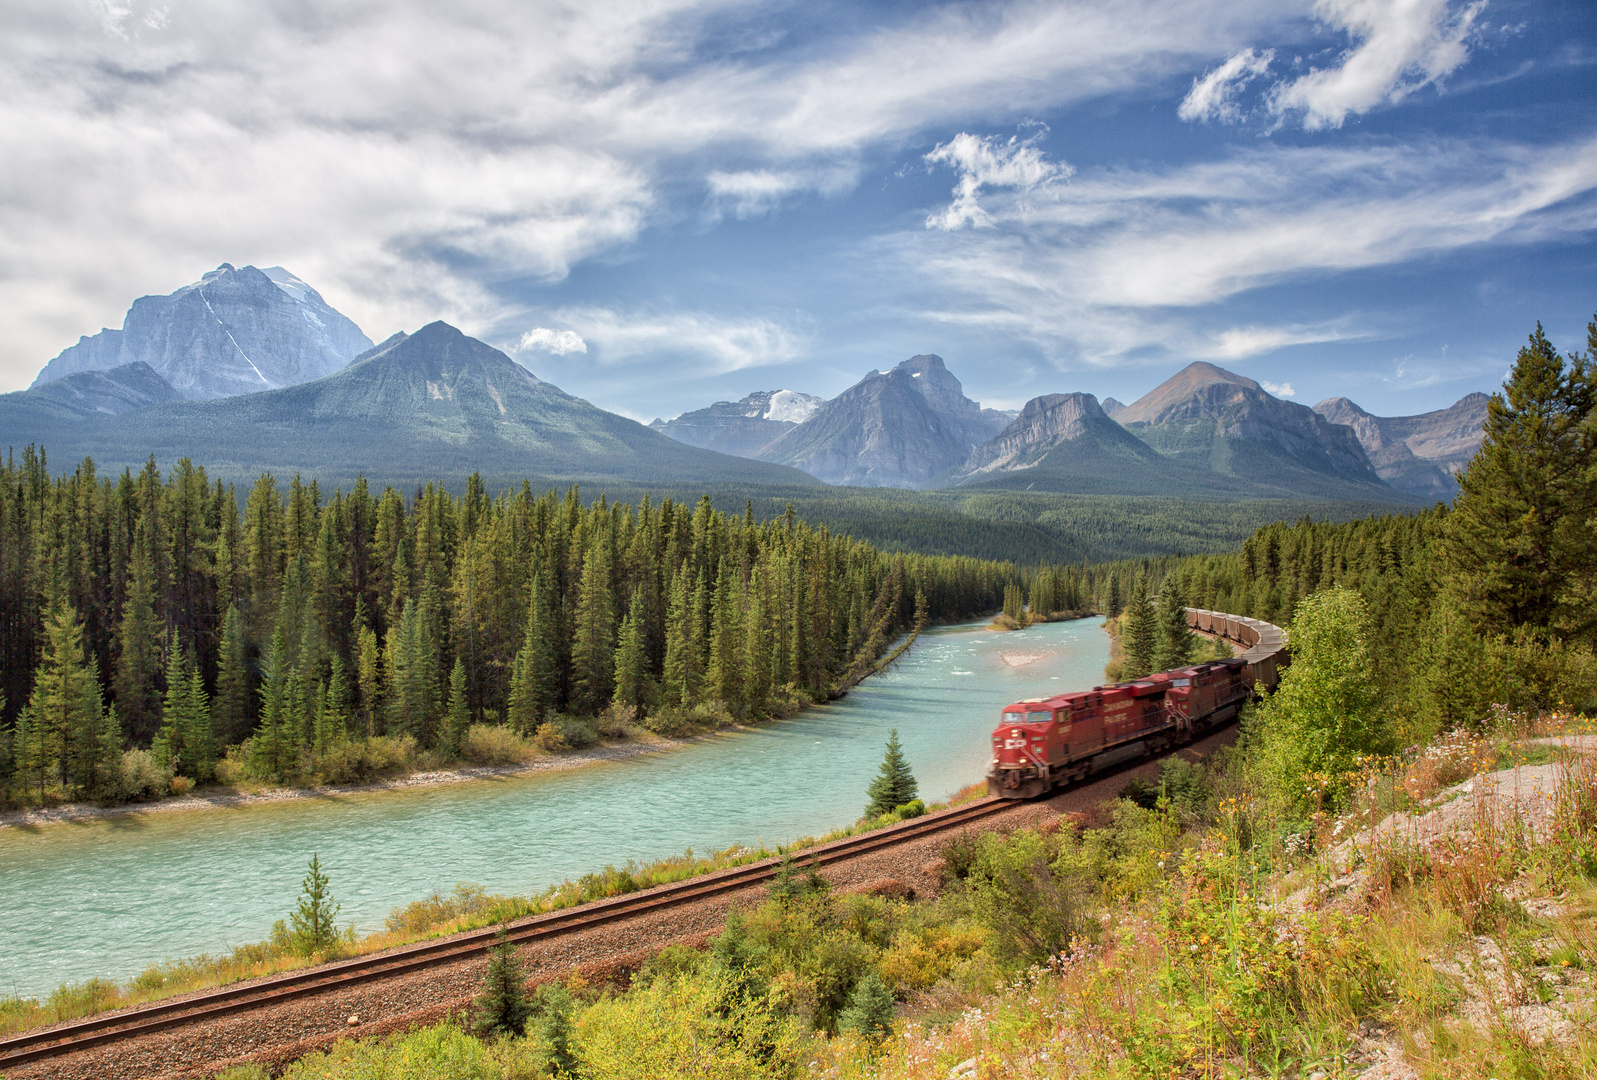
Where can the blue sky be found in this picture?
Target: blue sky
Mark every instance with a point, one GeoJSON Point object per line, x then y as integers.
{"type": "Point", "coordinates": [660, 204]}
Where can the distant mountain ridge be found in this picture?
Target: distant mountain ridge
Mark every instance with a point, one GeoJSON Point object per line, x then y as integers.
{"type": "Point", "coordinates": [427, 405]}
{"type": "Point", "coordinates": [1207, 416]}
{"type": "Point", "coordinates": [235, 331]}
{"type": "Point", "coordinates": [1419, 454]}
{"type": "Point", "coordinates": [742, 428]}
{"type": "Point", "coordinates": [896, 428]}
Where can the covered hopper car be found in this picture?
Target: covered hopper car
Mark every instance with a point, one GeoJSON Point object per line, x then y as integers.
{"type": "Point", "coordinates": [1044, 742]}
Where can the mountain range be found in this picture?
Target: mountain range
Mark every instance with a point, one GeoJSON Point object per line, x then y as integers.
{"type": "Point", "coordinates": [249, 370]}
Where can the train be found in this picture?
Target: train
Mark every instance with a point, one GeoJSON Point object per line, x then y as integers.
{"type": "Point", "coordinates": [1042, 743]}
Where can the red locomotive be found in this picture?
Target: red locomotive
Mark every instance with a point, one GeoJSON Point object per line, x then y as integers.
{"type": "Point", "coordinates": [1044, 742]}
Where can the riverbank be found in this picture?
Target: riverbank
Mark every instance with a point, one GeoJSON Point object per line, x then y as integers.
{"type": "Point", "coordinates": [233, 798]}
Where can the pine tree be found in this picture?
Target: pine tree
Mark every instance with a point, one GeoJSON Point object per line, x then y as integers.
{"type": "Point", "coordinates": [333, 717]}
{"type": "Point", "coordinates": [1138, 632]}
{"type": "Point", "coordinates": [502, 1007]}
{"type": "Point", "coordinates": [725, 674]}
{"type": "Point", "coordinates": [271, 751]}
{"type": "Point", "coordinates": [312, 925]}
{"type": "Point", "coordinates": [593, 637]}
{"type": "Point", "coordinates": [681, 674]}
{"type": "Point", "coordinates": [369, 680]}
{"type": "Point", "coordinates": [230, 712]}
{"type": "Point", "coordinates": [870, 1009]}
{"type": "Point", "coordinates": [1114, 605]}
{"type": "Point", "coordinates": [534, 678]}
{"type": "Point", "coordinates": [632, 661]}
{"type": "Point", "coordinates": [1173, 643]}
{"type": "Point", "coordinates": [894, 784]}
{"type": "Point", "coordinates": [68, 732]}
{"type": "Point", "coordinates": [1519, 544]}
{"type": "Point", "coordinates": [138, 697]}
{"type": "Point", "coordinates": [457, 717]}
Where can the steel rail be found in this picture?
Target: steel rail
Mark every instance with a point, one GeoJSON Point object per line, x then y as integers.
{"type": "Point", "coordinates": [84, 1034]}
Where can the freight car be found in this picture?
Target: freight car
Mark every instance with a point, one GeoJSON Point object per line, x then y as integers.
{"type": "Point", "coordinates": [1044, 742]}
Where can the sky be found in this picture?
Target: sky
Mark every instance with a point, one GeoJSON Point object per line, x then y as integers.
{"type": "Point", "coordinates": [657, 204]}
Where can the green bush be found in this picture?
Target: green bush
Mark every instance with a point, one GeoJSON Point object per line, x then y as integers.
{"type": "Point", "coordinates": [142, 779]}
{"type": "Point", "coordinates": [676, 722]}
{"type": "Point", "coordinates": [494, 744]}
{"type": "Point", "coordinates": [420, 916]}
{"type": "Point", "coordinates": [1029, 900]}
{"type": "Point", "coordinates": [912, 809]}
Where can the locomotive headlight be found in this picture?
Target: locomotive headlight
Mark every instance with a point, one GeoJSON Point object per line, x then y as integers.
{"type": "Point", "coordinates": [1014, 733]}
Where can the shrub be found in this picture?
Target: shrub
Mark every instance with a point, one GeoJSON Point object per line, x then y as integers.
{"type": "Point", "coordinates": [1032, 908]}
{"type": "Point", "coordinates": [675, 722]}
{"type": "Point", "coordinates": [181, 785]}
{"type": "Point", "coordinates": [359, 760]}
{"type": "Point", "coordinates": [617, 721]}
{"type": "Point", "coordinates": [493, 744]}
{"type": "Point", "coordinates": [577, 732]}
{"type": "Point", "coordinates": [81, 999]}
{"type": "Point", "coordinates": [420, 916]}
{"type": "Point", "coordinates": [549, 738]}
{"type": "Point", "coordinates": [912, 809]}
{"type": "Point", "coordinates": [142, 779]}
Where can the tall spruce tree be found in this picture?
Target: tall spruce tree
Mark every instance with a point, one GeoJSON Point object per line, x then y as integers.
{"type": "Point", "coordinates": [68, 734]}
{"type": "Point", "coordinates": [680, 678]}
{"type": "Point", "coordinates": [593, 637]}
{"type": "Point", "coordinates": [1520, 543]}
{"type": "Point", "coordinates": [138, 694]}
{"type": "Point", "coordinates": [457, 716]}
{"type": "Point", "coordinates": [1139, 632]}
{"type": "Point", "coordinates": [894, 784]}
{"type": "Point", "coordinates": [534, 677]}
{"type": "Point", "coordinates": [632, 682]}
{"type": "Point", "coordinates": [230, 712]}
{"type": "Point", "coordinates": [1173, 642]}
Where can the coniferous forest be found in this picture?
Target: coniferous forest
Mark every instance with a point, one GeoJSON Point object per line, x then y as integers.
{"type": "Point", "coordinates": [166, 616]}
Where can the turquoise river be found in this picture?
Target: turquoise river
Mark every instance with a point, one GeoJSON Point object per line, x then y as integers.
{"type": "Point", "coordinates": [109, 896]}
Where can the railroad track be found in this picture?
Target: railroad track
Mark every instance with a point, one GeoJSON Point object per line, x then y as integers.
{"type": "Point", "coordinates": [94, 1031]}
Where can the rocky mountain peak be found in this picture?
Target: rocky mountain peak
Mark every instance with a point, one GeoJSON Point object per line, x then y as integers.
{"type": "Point", "coordinates": [237, 330]}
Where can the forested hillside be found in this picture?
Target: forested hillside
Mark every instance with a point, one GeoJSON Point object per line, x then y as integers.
{"type": "Point", "coordinates": [149, 611]}
{"type": "Point", "coordinates": [1489, 602]}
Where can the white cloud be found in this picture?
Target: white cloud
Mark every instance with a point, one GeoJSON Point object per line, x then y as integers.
{"type": "Point", "coordinates": [558, 342]}
{"type": "Point", "coordinates": [991, 163]}
{"type": "Point", "coordinates": [1122, 263]}
{"type": "Point", "coordinates": [711, 344]}
{"type": "Point", "coordinates": [407, 157]}
{"type": "Point", "coordinates": [1278, 389]}
{"type": "Point", "coordinates": [1213, 95]}
{"type": "Point", "coordinates": [1402, 45]}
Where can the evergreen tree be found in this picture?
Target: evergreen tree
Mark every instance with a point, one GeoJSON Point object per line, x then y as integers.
{"type": "Point", "coordinates": [1173, 643]}
{"type": "Point", "coordinates": [870, 1009]}
{"type": "Point", "coordinates": [312, 928]}
{"type": "Point", "coordinates": [1520, 541]}
{"type": "Point", "coordinates": [183, 743]}
{"type": "Point", "coordinates": [725, 674]}
{"type": "Point", "coordinates": [502, 1007]}
{"type": "Point", "coordinates": [1114, 605]}
{"type": "Point", "coordinates": [534, 678]}
{"type": "Point", "coordinates": [593, 637]}
{"type": "Point", "coordinates": [894, 784]}
{"type": "Point", "coordinates": [230, 712]}
{"type": "Point", "coordinates": [458, 714]}
{"type": "Point", "coordinates": [138, 696]}
{"type": "Point", "coordinates": [1138, 632]}
{"type": "Point", "coordinates": [681, 674]}
{"type": "Point", "coordinates": [271, 748]}
{"type": "Point", "coordinates": [333, 718]}
{"type": "Point", "coordinates": [369, 680]}
{"type": "Point", "coordinates": [632, 661]}
{"type": "Point", "coordinates": [68, 732]}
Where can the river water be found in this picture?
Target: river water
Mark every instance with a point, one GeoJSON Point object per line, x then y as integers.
{"type": "Point", "coordinates": [108, 897]}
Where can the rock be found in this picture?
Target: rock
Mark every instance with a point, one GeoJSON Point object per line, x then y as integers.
{"type": "Point", "coordinates": [354, 1019]}
{"type": "Point", "coordinates": [964, 1068]}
